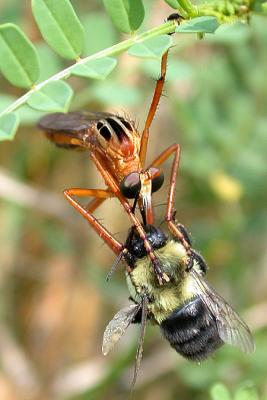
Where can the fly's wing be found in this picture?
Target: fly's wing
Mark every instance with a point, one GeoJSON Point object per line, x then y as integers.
{"type": "Point", "coordinates": [117, 326]}
{"type": "Point", "coordinates": [69, 130]}
{"type": "Point", "coordinates": [231, 328]}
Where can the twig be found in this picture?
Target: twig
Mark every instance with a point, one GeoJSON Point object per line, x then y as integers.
{"type": "Point", "coordinates": [27, 196]}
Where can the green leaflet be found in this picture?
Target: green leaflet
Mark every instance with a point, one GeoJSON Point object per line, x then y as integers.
{"type": "Point", "coordinates": [18, 57]}
{"type": "Point", "coordinates": [59, 26]}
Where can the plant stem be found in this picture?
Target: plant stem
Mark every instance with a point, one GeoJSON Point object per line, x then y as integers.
{"type": "Point", "coordinates": [165, 28]}
{"type": "Point", "coordinates": [187, 6]}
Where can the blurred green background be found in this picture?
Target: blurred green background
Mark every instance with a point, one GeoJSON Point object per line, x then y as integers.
{"type": "Point", "coordinates": [54, 300]}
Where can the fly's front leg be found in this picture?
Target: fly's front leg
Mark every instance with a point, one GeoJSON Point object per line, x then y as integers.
{"type": "Point", "coordinates": [115, 190]}
{"type": "Point", "coordinates": [175, 228]}
{"type": "Point", "coordinates": [161, 276]}
{"type": "Point", "coordinates": [153, 108]}
{"type": "Point", "coordinates": [99, 196]}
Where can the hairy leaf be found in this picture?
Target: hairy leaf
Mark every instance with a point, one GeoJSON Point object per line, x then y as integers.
{"type": "Point", "coordinates": [8, 126]}
{"type": "Point", "coordinates": [59, 26]}
{"type": "Point", "coordinates": [18, 57]}
{"type": "Point", "coordinates": [199, 25]}
{"type": "Point", "coordinates": [172, 3]}
{"type": "Point", "coordinates": [219, 392]}
{"type": "Point", "coordinates": [55, 96]}
{"type": "Point", "coordinates": [127, 15]}
{"type": "Point", "coordinates": [151, 48]}
{"type": "Point", "coordinates": [96, 69]}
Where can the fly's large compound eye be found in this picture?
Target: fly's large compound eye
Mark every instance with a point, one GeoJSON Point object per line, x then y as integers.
{"type": "Point", "coordinates": [131, 185]}
{"type": "Point", "coordinates": [157, 179]}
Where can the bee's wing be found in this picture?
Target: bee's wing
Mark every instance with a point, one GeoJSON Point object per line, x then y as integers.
{"type": "Point", "coordinates": [69, 130]}
{"type": "Point", "coordinates": [231, 328]}
{"type": "Point", "coordinates": [117, 326]}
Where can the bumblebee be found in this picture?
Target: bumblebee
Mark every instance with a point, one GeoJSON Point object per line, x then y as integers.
{"type": "Point", "coordinates": [193, 318]}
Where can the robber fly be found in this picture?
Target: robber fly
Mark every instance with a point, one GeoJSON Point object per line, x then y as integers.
{"type": "Point", "coordinates": [119, 152]}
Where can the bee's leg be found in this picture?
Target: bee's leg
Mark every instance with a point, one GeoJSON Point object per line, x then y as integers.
{"type": "Point", "coordinates": [139, 352]}
{"type": "Point", "coordinates": [138, 317]}
{"type": "Point", "coordinates": [100, 195]}
{"type": "Point", "coordinates": [153, 108]}
{"type": "Point", "coordinates": [114, 188]}
{"type": "Point", "coordinates": [201, 262]}
{"type": "Point", "coordinates": [193, 254]}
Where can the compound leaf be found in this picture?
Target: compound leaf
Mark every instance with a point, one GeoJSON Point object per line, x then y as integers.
{"type": "Point", "coordinates": [59, 26]}
{"type": "Point", "coordinates": [199, 25]}
{"type": "Point", "coordinates": [8, 126]}
{"type": "Point", "coordinates": [53, 97]}
{"type": "Point", "coordinates": [18, 57]}
{"type": "Point", "coordinates": [96, 69]}
{"type": "Point", "coordinates": [127, 15]}
{"type": "Point", "coordinates": [151, 48]}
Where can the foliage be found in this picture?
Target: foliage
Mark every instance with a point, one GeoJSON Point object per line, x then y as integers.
{"type": "Point", "coordinates": [246, 391]}
{"type": "Point", "coordinates": [63, 31]}
{"type": "Point", "coordinates": [55, 302]}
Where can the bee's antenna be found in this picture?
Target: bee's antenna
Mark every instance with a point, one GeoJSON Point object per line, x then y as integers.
{"type": "Point", "coordinates": [114, 266]}
{"type": "Point", "coordinates": [140, 347]}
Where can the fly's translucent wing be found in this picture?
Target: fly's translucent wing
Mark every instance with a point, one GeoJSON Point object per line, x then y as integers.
{"type": "Point", "coordinates": [117, 326]}
{"type": "Point", "coordinates": [69, 130]}
{"type": "Point", "coordinates": [72, 122]}
{"type": "Point", "coordinates": [231, 328]}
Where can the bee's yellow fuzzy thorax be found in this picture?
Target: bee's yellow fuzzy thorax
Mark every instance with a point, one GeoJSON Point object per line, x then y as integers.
{"type": "Point", "coordinates": [166, 298]}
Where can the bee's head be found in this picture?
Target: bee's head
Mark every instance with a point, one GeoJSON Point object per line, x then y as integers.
{"type": "Point", "coordinates": [135, 244]}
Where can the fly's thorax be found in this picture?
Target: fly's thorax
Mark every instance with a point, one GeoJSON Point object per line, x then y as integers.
{"type": "Point", "coordinates": [119, 142]}
{"type": "Point", "coordinates": [163, 299]}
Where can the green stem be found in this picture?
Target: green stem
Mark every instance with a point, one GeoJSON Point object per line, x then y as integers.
{"type": "Point", "coordinates": [204, 11]}
{"type": "Point", "coordinates": [165, 28]}
{"type": "Point", "coordinates": [190, 9]}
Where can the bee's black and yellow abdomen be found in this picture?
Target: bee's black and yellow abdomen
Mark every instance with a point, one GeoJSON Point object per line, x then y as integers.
{"type": "Point", "coordinates": [192, 331]}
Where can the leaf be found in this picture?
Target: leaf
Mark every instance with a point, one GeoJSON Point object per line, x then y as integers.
{"type": "Point", "coordinates": [96, 69]}
{"type": "Point", "coordinates": [127, 15]}
{"type": "Point", "coordinates": [151, 48]}
{"type": "Point", "coordinates": [199, 25]}
{"type": "Point", "coordinates": [8, 126]}
{"type": "Point", "coordinates": [5, 101]}
{"type": "Point", "coordinates": [257, 5]}
{"type": "Point", "coordinates": [172, 3]}
{"type": "Point", "coordinates": [55, 96]}
{"type": "Point", "coordinates": [18, 58]}
{"type": "Point", "coordinates": [28, 116]}
{"type": "Point", "coordinates": [220, 392]}
{"type": "Point", "coordinates": [59, 26]}
{"type": "Point", "coordinates": [50, 68]}
{"type": "Point", "coordinates": [246, 392]}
